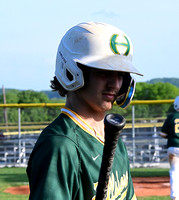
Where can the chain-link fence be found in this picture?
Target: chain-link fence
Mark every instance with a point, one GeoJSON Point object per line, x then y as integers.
{"type": "Point", "coordinates": [21, 124]}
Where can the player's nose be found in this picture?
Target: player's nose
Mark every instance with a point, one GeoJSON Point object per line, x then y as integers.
{"type": "Point", "coordinates": [115, 80]}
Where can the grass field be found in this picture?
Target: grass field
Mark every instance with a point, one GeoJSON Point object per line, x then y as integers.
{"type": "Point", "coordinates": [149, 172]}
{"type": "Point", "coordinates": [17, 176]}
{"type": "Point", "coordinates": [12, 177]}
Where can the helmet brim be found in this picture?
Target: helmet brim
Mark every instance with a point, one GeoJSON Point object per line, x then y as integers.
{"type": "Point", "coordinates": [111, 63]}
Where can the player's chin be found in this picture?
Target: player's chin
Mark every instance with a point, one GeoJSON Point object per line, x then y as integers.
{"type": "Point", "coordinates": [107, 105]}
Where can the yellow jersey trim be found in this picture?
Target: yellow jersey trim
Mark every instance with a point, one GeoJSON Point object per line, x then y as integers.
{"type": "Point", "coordinates": [81, 123]}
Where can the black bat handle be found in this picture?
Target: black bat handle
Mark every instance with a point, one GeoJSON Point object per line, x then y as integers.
{"type": "Point", "coordinates": [114, 123]}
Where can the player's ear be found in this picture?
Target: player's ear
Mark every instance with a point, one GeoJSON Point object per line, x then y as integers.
{"type": "Point", "coordinates": [126, 92]}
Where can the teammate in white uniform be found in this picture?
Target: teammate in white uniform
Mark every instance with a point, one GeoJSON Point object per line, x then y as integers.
{"type": "Point", "coordinates": [170, 130]}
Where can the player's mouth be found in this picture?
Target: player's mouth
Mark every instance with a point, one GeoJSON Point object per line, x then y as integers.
{"type": "Point", "coordinates": [109, 96]}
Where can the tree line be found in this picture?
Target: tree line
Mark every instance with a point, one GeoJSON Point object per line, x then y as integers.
{"type": "Point", "coordinates": [36, 114]}
{"type": "Point", "coordinates": [144, 91]}
{"type": "Point", "coordinates": [148, 91]}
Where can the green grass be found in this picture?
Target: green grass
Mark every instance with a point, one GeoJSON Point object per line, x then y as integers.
{"type": "Point", "coordinates": [12, 177]}
{"type": "Point", "coordinates": [149, 172]}
{"type": "Point", "coordinates": [17, 176]}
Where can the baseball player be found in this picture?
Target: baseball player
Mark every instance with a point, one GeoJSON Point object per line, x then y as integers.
{"type": "Point", "coordinates": [170, 130]}
{"type": "Point", "coordinates": [93, 67]}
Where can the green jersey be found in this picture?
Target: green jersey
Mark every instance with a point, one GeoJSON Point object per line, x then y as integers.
{"type": "Point", "coordinates": [171, 129]}
{"type": "Point", "coordinates": [66, 160]}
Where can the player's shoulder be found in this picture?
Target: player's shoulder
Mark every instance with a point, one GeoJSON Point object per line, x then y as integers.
{"type": "Point", "coordinates": [61, 131]}
{"type": "Point", "coordinates": [173, 116]}
{"type": "Point", "coordinates": [62, 125]}
{"type": "Point", "coordinates": [176, 114]}
{"type": "Point", "coordinates": [170, 116]}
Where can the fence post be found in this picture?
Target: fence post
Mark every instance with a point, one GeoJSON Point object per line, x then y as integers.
{"type": "Point", "coordinates": [133, 134]}
{"type": "Point", "coordinates": [19, 134]}
{"type": "Point", "coordinates": [156, 145]}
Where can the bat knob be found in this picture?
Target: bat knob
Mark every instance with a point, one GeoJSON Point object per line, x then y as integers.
{"type": "Point", "coordinates": [114, 122]}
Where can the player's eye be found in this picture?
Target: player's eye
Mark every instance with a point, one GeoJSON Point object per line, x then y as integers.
{"type": "Point", "coordinates": [121, 74]}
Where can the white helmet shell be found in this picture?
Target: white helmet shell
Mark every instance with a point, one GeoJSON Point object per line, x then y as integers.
{"type": "Point", "coordinates": [176, 103]}
{"type": "Point", "coordinates": [95, 45]}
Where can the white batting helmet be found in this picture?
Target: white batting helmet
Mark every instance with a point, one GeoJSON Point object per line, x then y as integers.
{"type": "Point", "coordinates": [95, 45]}
{"type": "Point", "coordinates": [176, 103]}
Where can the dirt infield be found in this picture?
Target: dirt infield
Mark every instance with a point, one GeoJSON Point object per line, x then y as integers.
{"type": "Point", "coordinates": [149, 186]}
{"type": "Point", "coordinates": [152, 186]}
{"type": "Point", "coordinates": [24, 189]}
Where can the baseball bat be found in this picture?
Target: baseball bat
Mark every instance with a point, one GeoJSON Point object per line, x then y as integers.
{"type": "Point", "coordinates": [114, 123]}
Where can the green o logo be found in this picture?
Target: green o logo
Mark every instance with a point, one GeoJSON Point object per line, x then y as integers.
{"type": "Point", "coordinates": [113, 44]}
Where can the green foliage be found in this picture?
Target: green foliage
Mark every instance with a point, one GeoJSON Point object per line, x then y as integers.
{"type": "Point", "coordinates": [52, 94]}
{"type": "Point", "coordinates": [11, 96]}
{"type": "Point", "coordinates": [144, 91]}
{"type": "Point", "coordinates": [33, 114]}
{"type": "Point", "coordinates": [30, 96]}
{"type": "Point", "coordinates": [29, 114]}
{"type": "Point", "coordinates": [173, 81]}
{"type": "Point", "coordinates": [157, 91]}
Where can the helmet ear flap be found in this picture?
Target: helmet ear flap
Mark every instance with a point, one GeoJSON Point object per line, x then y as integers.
{"type": "Point", "coordinates": [126, 92]}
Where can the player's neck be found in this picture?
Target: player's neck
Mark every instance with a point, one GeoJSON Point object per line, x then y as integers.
{"type": "Point", "coordinates": [84, 109]}
{"type": "Point", "coordinates": [92, 117]}
{"type": "Point", "coordinates": [96, 121]}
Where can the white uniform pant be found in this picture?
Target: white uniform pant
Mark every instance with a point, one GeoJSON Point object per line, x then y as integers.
{"type": "Point", "coordinates": [173, 156]}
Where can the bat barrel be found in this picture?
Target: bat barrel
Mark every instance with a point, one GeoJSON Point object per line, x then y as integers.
{"type": "Point", "coordinates": [114, 123]}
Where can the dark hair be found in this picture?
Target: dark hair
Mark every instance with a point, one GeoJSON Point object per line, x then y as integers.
{"type": "Point", "coordinates": [56, 86]}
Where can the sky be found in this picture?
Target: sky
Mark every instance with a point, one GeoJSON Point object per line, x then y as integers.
{"type": "Point", "coordinates": [30, 32]}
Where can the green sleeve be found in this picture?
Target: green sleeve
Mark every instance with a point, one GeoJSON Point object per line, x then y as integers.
{"type": "Point", "coordinates": [166, 126]}
{"type": "Point", "coordinates": [54, 170]}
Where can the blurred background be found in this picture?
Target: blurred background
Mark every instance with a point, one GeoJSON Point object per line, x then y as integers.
{"type": "Point", "coordinates": [29, 38]}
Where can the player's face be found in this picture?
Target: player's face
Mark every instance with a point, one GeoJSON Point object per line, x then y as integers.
{"type": "Point", "coordinates": [101, 90]}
